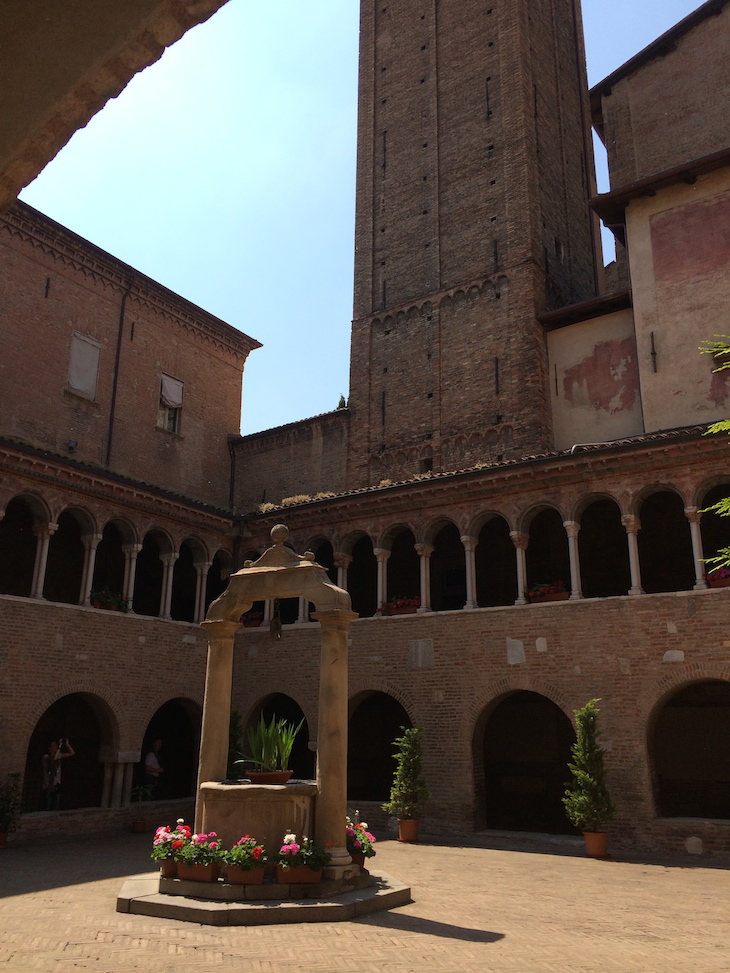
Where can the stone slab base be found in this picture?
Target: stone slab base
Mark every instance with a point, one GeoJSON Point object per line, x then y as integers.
{"type": "Point", "coordinates": [140, 895]}
{"type": "Point", "coordinates": [269, 891]}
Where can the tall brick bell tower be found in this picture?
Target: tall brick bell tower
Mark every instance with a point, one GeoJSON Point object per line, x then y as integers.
{"type": "Point", "coordinates": [474, 171]}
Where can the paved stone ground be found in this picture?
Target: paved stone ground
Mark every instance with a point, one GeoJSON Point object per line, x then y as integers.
{"type": "Point", "coordinates": [476, 910]}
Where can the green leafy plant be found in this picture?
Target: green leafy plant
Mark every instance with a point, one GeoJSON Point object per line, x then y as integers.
{"type": "Point", "coordinates": [10, 804]}
{"type": "Point", "coordinates": [408, 793]}
{"type": "Point", "coordinates": [108, 599]}
{"type": "Point", "coordinates": [247, 854]}
{"type": "Point", "coordinates": [142, 792]}
{"type": "Point", "coordinates": [270, 744]}
{"type": "Point", "coordinates": [720, 350]}
{"type": "Point", "coordinates": [546, 588]}
{"type": "Point", "coordinates": [587, 800]}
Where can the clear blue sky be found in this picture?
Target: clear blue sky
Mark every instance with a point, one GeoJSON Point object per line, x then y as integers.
{"type": "Point", "coordinates": [226, 171]}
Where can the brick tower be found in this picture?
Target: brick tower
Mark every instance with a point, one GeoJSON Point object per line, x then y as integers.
{"type": "Point", "coordinates": [474, 171]}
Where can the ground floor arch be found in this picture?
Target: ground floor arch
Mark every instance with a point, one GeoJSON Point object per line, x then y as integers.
{"type": "Point", "coordinates": [283, 707]}
{"type": "Point", "coordinates": [376, 719]}
{"type": "Point", "coordinates": [176, 724]}
{"type": "Point", "coordinates": [522, 749]}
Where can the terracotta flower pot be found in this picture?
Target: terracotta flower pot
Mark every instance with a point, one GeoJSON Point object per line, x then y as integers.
{"type": "Point", "coordinates": [252, 623]}
{"type": "Point", "coordinates": [199, 873]}
{"type": "Point", "coordinates": [408, 831]}
{"type": "Point", "coordinates": [596, 844]}
{"type": "Point", "coordinates": [719, 582]}
{"type": "Point", "coordinates": [553, 596]}
{"type": "Point", "coordinates": [235, 875]}
{"type": "Point", "coordinates": [404, 610]}
{"type": "Point", "coordinates": [168, 868]}
{"type": "Point", "coordinates": [358, 858]}
{"type": "Point", "coordinates": [298, 875]}
{"type": "Point", "coordinates": [269, 776]}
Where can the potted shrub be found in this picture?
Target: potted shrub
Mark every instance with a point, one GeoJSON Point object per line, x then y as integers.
{"type": "Point", "coordinates": [201, 858]}
{"type": "Point", "coordinates": [270, 746]}
{"type": "Point", "coordinates": [359, 841]}
{"type": "Point", "coordinates": [109, 600]}
{"type": "Point", "coordinates": [587, 800]}
{"type": "Point", "coordinates": [300, 862]}
{"type": "Point", "coordinates": [142, 792]}
{"type": "Point", "coordinates": [408, 793]}
{"type": "Point", "coordinates": [166, 844]}
{"type": "Point", "coordinates": [245, 862]}
{"type": "Point", "coordinates": [718, 577]}
{"type": "Point", "coordinates": [9, 806]}
{"type": "Point", "coordinates": [547, 591]}
{"type": "Point", "coordinates": [400, 605]}
{"type": "Point", "coordinates": [252, 619]}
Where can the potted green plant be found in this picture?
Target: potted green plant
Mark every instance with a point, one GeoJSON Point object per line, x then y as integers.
{"type": "Point", "coordinates": [300, 862]}
{"type": "Point", "coordinates": [547, 591]}
{"type": "Point", "coordinates": [270, 746]}
{"type": "Point", "coordinates": [587, 800]}
{"type": "Point", "coordinates": [201, 858]}
{"type": "Point", "coordinates": [359, 841]}
{"type": "Point", "coordinates": [9, 806]}
{"type": "Point", "coordinates": [245, 862]}
{"type": "Point", "coordinates": [109, 600]}
{"type": "Point", "coordinates": [408, 793]}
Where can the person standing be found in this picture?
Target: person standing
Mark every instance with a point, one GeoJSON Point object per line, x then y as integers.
{"type": "Point", "coordinates": [57, 751]}
{"type": "Point", "coordinates": [152, 768]}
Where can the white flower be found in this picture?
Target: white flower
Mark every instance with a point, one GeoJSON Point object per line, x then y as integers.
{"type": "Point", "coordinates": [289, 839]}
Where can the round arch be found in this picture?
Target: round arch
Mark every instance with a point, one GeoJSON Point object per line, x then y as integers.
{"type": "Point", "coordinates": [376, 719]}
{"type": "Point", "coordinates": [176, 724]}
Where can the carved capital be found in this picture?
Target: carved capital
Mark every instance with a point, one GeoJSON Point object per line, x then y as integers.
{"type": "Point", "coordinates": [520, 539]}
{"type": "Point", "coordinates": [469, 542]}
{"type": "Point", "coordinates": [381, 553]}
{"type": "Point", "coordinates": [693, 514]}
{"type": "Point", "coordinates": [631, 523]}
{"type": "Point", "coordinates": [423, 550]}
{"type": "Point", "coordinates": [342, 560]}
{"type": "Point", "coordinates": [571, 527]}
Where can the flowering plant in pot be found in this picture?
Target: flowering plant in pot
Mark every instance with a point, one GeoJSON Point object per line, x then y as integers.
{"type": "Point", "coordinates": [400, 604]}
{"type": "Point", "coordinates": [300, 861]}
{"type": "Point", "coordinates": [359, 841]}
{"type": "Point", "coordinates": [252, 619]}
{"type": "Point", "coordinates": [108, 599]}
{"type": "Point", "coordinates": [718, 577]}
{"type": "Point", "coordinates": [408, 792]}
{"type": "Point", "coordinates": [200, 858]}
{"type": "Point", "coordinates": [245, 862]}
{"type": "Point", "coordinates": [543, 590]}
{"type": "Point", "coordinates": [587, 801]}
{"type": "Point", "coordinates": [270, 746]}
{"type": "Point", "coordinates": [167, 845]}
{"type": "Point", "coordinates": [9, 806]}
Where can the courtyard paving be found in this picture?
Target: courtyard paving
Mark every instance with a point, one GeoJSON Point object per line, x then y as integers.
{"type": "Point", "coordinates": [475, 910]}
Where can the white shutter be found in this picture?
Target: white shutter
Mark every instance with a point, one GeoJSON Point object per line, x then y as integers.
{"type": "Point", "coordinates": [171, 392]}
{"type": "Point", "coordinates": [83, 366]}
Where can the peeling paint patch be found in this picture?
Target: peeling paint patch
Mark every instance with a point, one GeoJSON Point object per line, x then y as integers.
{"type": "Point", "coordinates": [691, 240]}
{"type": "Point", "coordinates": [607, 379]}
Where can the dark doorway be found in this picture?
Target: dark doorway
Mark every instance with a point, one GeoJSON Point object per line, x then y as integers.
{"type": "Point", "coordinates": [362, 578]}
{"type": "Point", "coordinates": [665, 544]}
{"type": "Point", "coordinates": [404, 572]}
{"type": "Point", "coordinates": [604, 551]}
{"type": "Point", "coordinates": [526, 750]}
{"type": "Point", "coordinates": [17, 549]}
{"type": "Point", "coordinates": [148, 579]}
{"type": "Point", "coordinates": [496, 565]}
{"type": "Point", "coordinates": [448, 570]}
{"type": "Point", "coordinates": [374, 724]}
{"type": "Point", "coordinates": [218, 576]}
{"type": "Point", "coordinates": [177, 725]}
{"type": "Point", "coordinates": [65, 565]}
{"type": "Point", "coordinates": [109, 564]}
{"type": "Point", "coordinates": [285, 708]}
{"type": "Point", "coordinates": [688, 745]}
{"type": "Point", "coordinates": [184, 585]}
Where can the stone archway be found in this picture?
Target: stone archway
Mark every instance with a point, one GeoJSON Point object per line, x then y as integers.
{"type": "Point", "coordinates": [177, 724]}
{"type": "Point", "coordinates": [376, 719]}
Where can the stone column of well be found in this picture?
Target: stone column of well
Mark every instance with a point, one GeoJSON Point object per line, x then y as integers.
{"type": "Point", "coordinates": [342, 563]}
{"type": "Point", "coordinates": [303, 611]}
{"type": "Point", "coordinates": [43, 537]}
{"type": "Point", "coordinates": [694, 516]}
{"type": "Point", "coordinates": [424, 552]}
{"type": "Point", "coordinates": [168, 566]}
{"type": "Point", "coordinates": [268, 610]}
{"type": "Point", "coordinates": [216, 706]}
{"type": "Point", "coordinates": [201, 583]}
{"type": "Point", "coordinates": [470, 546]}
{"type": "Point", "coordinates": [130, 552]}
{"type": "Point", "coordinates": [571, 529]}
{"type": "Point", "coordinates": [520, 541]}
{"type": "Point", "coordinates": [382, 556]}
{"type": "Point", "coordinates": [633, 526]}
{"type": "Point", "coordinates": [90, 542]}
{"type": "Point", "coordinates": [332, 734]}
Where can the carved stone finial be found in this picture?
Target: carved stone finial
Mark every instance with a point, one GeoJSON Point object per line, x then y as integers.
{"type": "Point", "coordinates": [279, 533]}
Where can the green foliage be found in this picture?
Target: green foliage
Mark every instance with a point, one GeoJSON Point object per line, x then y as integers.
{"type": "Point", "coordinates": [270, 744]}
{"type": "Point", "coordinates": [108, 599]}
{"type": "Point", "coordinates": [10, 803]}
{"type": "Point", "coordinates": [408, 793]}
{"type": "Point", "coordinates": [720, 350]}
{"type": "Point", "coordinates": [235, 735]}
{"type": "Point", "coordinates": [587, 801]}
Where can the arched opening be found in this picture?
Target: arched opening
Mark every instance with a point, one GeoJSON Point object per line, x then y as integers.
{"type": "Point", "coordinates": [665, 544]}
{"type": "Point", "coordinates": [525, 752]}
{"type": "Point", "coordinates": [547, 555]}
{"type": "Point", "coordinates": [177, 725]}
{"type": "Point", "coordinates": [109, 564]}
{"type": "Point", "coordinates": [448, 570]}
{"type": "Point", "coordinates": [17, 549]}
{"type": "Point", "coordinates": [404, 573]}
{"type": "Point", "coordinates": [688, 745]}
{"type": "Point", "coordinates": [148, 579]}
{"type": "Point", "coordinates": [324, 555]}
{"type": "Point", "coordinates": [496, 565]}
{"type": "Point", "coordinates": [65, 566]}
{"type": "Point", "coordinates": [86, 722]}
{"type": "Point", "coordinates": [218, 575]}
{"type": "Point", "coordinates": [715, 529]}
{"type": "Point", "coordinates": [362, 578]}
{"type": "Point", "coordinates": [184, 585]}
{"type": "Point", "coordinates": [375, 721]}
{"type": "Point", "coordinates": [603, 550]}
{"type": "Point", "coordinates": [285, 708]}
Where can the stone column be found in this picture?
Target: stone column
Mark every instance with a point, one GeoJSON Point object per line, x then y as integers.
{"type": "Point", "coordinates": [303, 611]}
{"type": "Point", "coordinates": [470, 546]}
{"type": "Point", "coordinates": [130, 552]}
{"type": "Point", "coordinates": [90, 542]}
{"type": "Point", "coordinates": [694, 516]}
{"type": "Point", "coordinates": [216, 706]}
{"type": "Point", "coordinates": [128, 773]}
{"type": "Point", "coordinates": [332, 734]}
{"type": "Point", "coordinates": [424, 552]}
{"type": "Point", "coordinates": [106, 792]}
{"type": "Point", "coordinates": [43, 537]}
{"type": "Point", "coordinates": [520, 540]}
{"type": "Point", "coordinates": [268, 610]}
{"type": "Point", "coordinates": [168, 566]}
{"type": "Point", "coordinates": [342, 563]}
{"type": "Point", "coordinates": [571, 528]}
{"type": "Point", "coordinates": [116, 798]}
{"type": "Point", "coordinates": [382, 555]}
{"type": "Point", "coordinates": [201, 582]}
{"type": "Point", "coordinates": [633, 526]}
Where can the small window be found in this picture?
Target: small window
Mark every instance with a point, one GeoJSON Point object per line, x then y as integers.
{"type": "Point", "coordinates": [83, 365]}
{"type": "Point", "coordinates": [170, 408]}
